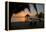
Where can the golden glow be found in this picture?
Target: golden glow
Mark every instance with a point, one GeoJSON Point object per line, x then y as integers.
{"type": "Point", "coordinates": [20, 17]}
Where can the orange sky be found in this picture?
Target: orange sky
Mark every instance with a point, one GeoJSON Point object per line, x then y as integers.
{"type": "Point", "coordinates": [22, 15]}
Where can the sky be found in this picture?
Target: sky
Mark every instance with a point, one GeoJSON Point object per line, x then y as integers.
{"type": "Point", "coordinates": [40, 8]}
{"type": "Point", "coordinates": [22, 14]}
